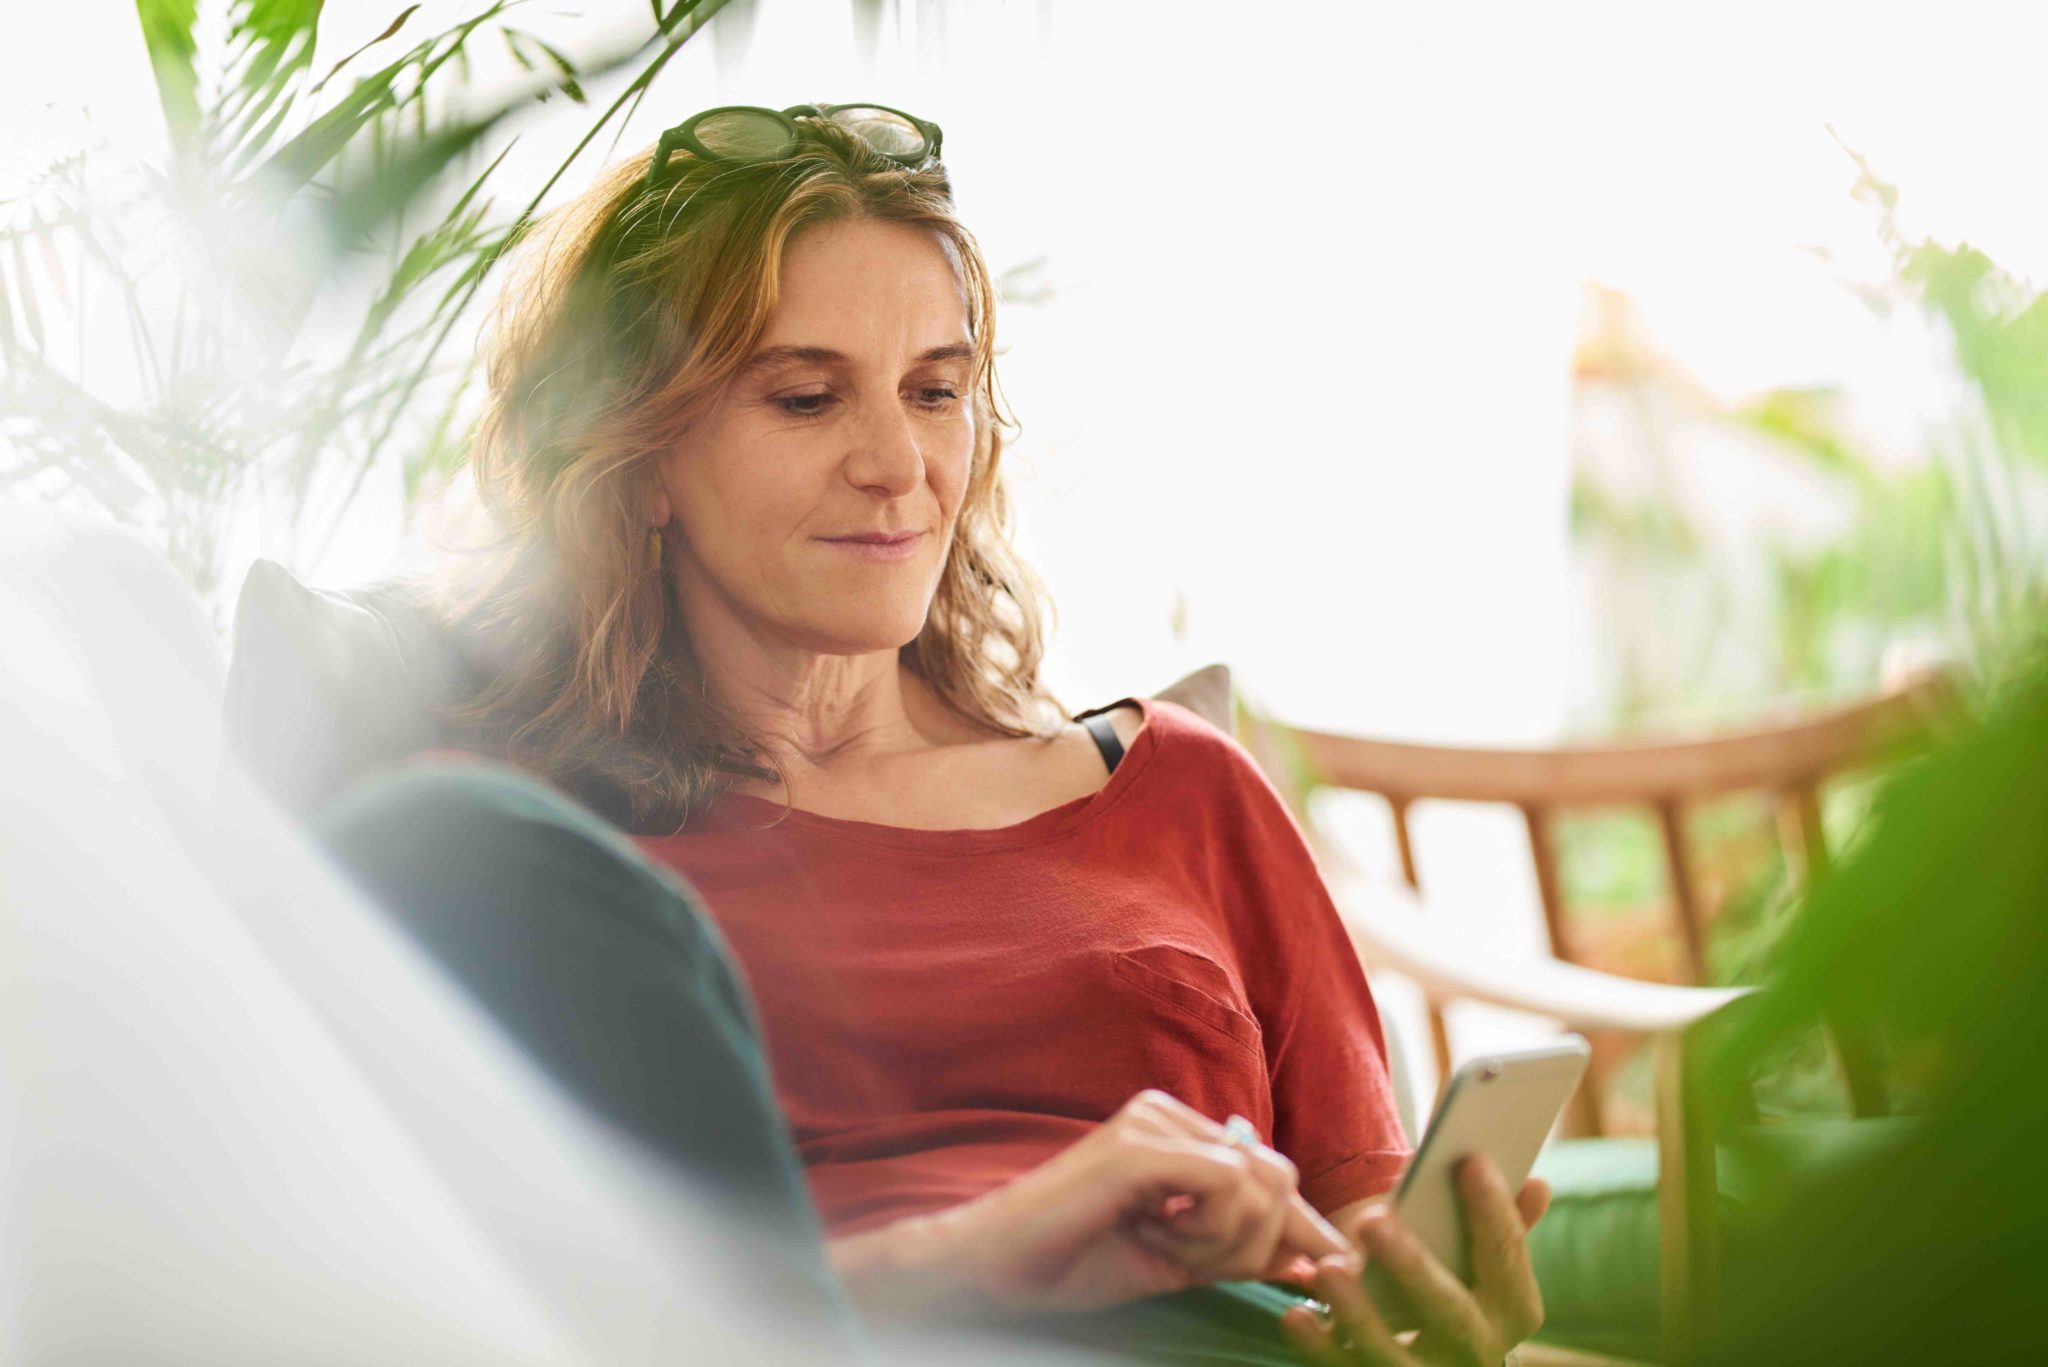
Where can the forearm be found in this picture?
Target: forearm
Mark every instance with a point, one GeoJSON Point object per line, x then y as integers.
{"type": "Point", "coordinates": [1156, 1199]}
{"type": "Point", "coordinates": [906, 1270]}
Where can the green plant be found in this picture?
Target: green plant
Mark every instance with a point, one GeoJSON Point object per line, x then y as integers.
{"type": "Point", "coordinates": [1928, 1240]}
{"type": "Point", "coordinates": [263, 317]}
{"type": "Point", "coordinates": [1945, 548]}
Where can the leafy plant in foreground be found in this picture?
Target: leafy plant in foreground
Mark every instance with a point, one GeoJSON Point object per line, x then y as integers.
{"type": "Point", "coordinates": [264, 317]}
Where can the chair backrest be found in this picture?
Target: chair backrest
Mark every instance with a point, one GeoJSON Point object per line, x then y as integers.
{"type": "Point", "coordinates": [326, 687]}
{"type": "Point", "coordinates": [1791, 763]}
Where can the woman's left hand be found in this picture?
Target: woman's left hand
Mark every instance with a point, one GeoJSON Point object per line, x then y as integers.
{"type": "Point", "coordinates": [1466, 1326]}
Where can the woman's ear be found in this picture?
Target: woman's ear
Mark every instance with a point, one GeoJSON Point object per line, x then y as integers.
{"type": "Point", "coordinates": [659, 510]}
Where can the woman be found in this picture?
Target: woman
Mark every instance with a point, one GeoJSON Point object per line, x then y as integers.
{"type": "Point", "coordinates": [755, 603]}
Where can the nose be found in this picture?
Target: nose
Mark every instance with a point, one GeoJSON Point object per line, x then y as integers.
{"type": "Point", "coordinates": [885, 457]}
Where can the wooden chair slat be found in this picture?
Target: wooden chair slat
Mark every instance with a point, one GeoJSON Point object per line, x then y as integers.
{"type": "Point", "coordinates": [1549, 883]}
{"type": "Point", "coordinates": [1439, 1031]}
{"type": "Point", "coordinates": [1685, 901]}
{"type": "Point", "coordinates": [1688, 1236]}
{"type": "Point", "coordinates": [1803, 835]}
{"type": "Point", "coordinates": [1767, 759]}
{"type": "Point", "coordinates": [1404, 843]}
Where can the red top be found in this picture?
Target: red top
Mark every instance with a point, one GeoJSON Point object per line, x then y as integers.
{"type": "Point", "coordinates": [947, 1009]}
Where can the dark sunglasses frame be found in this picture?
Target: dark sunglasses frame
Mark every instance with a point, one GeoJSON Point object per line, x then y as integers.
{"type": "Point", "coordinates": [684, 135]}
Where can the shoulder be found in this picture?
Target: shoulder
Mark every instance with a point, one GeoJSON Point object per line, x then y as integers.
{"type": "Point", "coordinates": [1254, 853]}
{"type": "Point", "coordinates": [1233, 795]}
{"type": "Point", "coordinates": [1162, 721]}
{"type": "Point", "coordinates": [1184, 745]}
{"type": "Point", "coordinates": [1184, 727]}
{"type": "Point", "coordinates": [1198, 753]}
{"type": "Point", "coordinates": [1127, 719]}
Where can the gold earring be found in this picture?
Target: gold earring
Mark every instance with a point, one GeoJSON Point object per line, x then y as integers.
{"type": "Point", "coordinates": [654, 540]}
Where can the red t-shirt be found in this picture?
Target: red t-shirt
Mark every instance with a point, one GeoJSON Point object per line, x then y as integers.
{"type": "Point", "coordinates": [945, 1010]}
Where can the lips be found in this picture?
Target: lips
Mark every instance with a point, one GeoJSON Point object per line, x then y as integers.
{"type": "Point", "coordinates": [876, 547]}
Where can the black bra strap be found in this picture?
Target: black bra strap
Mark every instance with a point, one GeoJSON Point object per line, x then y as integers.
{"type": "Point", "coordinates": [1105, 739]}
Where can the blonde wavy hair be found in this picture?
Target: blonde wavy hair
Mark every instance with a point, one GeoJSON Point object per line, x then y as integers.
{"type": "Point", "coordinates": [626, 313]}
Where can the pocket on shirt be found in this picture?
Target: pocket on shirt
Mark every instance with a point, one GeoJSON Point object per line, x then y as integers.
{"type": "Point", "coordinates": [1195, 984]}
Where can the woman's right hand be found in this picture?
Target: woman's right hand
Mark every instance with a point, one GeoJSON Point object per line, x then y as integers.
{"type": "Point", "coordinates": [1157, 1199]}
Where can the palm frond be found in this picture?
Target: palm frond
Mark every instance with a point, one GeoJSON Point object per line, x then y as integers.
{"type": "Point", "coordinates": [167, 35]}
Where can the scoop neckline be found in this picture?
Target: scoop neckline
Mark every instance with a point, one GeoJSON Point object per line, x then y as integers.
{"type": "Point", "coordinates": [1049, 824]}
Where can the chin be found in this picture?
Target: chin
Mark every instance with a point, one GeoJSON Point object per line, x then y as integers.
{"type": "Point", "coordinates": [864, 613]}
{"type": "Point", "coordinates": [868, 632]}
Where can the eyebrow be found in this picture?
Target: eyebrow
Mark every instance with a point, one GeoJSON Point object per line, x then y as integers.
{"type": "Point", "coordinates": [775, 357]}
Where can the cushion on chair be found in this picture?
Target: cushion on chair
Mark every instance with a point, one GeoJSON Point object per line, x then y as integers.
{"type": "Point", "coordinates": [326, 687]}
{"type": "Point", "coordinates": [1206, 693]}
{"type": "Point", "coordinates": [1595, 1252]}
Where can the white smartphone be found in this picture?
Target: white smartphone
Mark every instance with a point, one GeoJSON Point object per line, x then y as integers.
{"type": "Point", "coordinates": [1501, 1105]}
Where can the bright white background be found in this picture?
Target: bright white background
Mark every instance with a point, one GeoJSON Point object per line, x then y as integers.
{"type": "Point", "coordinates": [1315, 273]}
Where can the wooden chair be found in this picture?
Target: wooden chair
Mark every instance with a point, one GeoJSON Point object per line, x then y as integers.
{"type": "Point", "coordinates": [1790, 762]}
{"type": "Point", "coordinates": [1392, 929]}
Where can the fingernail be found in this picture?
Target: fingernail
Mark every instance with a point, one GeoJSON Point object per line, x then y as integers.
{"type": "Point", "coordinates": [1308, 1328]}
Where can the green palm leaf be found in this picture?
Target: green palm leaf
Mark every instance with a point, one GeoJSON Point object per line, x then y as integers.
{"type": "Point", "coordinates": [173, 56]}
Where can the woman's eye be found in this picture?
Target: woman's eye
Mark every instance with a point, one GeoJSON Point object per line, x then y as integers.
{"type": "Point", "coordinates": [937, 396]}
{"type": "Point", "coordinates": [804, 405]}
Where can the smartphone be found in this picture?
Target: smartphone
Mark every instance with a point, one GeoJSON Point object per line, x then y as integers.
{"type": "Point", "coordinates": [1501, 1105]}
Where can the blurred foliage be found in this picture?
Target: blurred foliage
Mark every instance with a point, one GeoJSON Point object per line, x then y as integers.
{"type": "Point", "coordinates": [1613, 861]}
{"type": "Point", "coordinates": [1945, 549]}
{"type": "Point", "coordinates": [1931, 936]}
{"type": "Point", "coordinates": [270, 304]}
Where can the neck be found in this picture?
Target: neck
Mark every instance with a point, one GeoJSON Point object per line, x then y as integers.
{"type": "Point", "coordinates": [834, 713]}
{"type": "Point", "coordinates": [822, 716]}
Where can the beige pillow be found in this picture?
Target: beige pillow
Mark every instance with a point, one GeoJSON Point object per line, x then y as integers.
{"type": "Point", "coordinates": [1206, 693]}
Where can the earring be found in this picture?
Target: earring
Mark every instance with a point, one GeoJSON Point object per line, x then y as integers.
{"type": "Point", "coordinates": [654, 543]}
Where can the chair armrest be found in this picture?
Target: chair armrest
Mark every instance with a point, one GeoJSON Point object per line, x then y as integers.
{"type": "Point", "coordinates": [1391, 928]}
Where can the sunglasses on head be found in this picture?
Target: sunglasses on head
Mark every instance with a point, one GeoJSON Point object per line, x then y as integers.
{"type": "Point", "coordinates": [746, 132]}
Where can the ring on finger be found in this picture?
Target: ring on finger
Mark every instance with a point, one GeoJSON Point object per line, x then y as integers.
{"type": "Point", "coordinates": [1240, 1133]}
